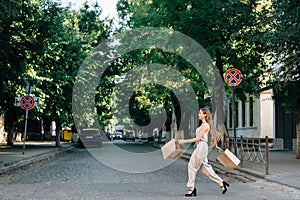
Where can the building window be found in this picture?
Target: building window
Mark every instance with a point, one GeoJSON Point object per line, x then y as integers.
{"type": "Point", "coordinates": [243, 113]}
{"type": "Point", "coordinates": [251, 111]}
{"type": "Point", "coordinates": [230, 115]}
{"type": "Point", "coordinates": [236, 114]}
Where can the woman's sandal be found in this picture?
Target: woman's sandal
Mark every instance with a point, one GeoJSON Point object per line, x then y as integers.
{"type": "Point", "coordinates": [224, 187]}
{"type": "Point", "coordinates": [191, 192]}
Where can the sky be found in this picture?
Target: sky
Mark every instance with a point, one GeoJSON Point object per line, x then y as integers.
{"type": "Point", "coordinates": [108, 6]}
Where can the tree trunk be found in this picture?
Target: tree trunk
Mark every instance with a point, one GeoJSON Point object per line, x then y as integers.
{"type": "Point", "coordinates": [10, 136]}
{"type": "Point", "coordinates": [9, 121]}
{"type": "Point", "coordinates": [218, 100]}
{"type": "Point", "coordinates": [57, 139]}
{"type": "Point", "coordinates": [298, 129]}
{"type": "Point", "coordinates": [58, 132]}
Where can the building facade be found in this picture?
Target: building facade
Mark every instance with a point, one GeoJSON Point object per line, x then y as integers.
{"type": "Point", "coordinates": [262, 116]}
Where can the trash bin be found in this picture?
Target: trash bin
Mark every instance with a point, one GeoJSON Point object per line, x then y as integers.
{"type": "Point", "coordinates": [66, 134]}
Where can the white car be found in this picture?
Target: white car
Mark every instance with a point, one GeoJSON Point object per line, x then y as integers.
{"type": "Point", "coordinates": [129, 134]}
{"type": "Point", "coordinates": [118, 134]}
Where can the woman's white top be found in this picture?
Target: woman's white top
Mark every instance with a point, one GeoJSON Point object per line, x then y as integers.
{"type": "Point", "coordinates": [205, 136]}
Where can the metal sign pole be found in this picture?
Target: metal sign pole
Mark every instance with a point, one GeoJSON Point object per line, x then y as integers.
{"type": "Point", "coordinates": [234, 120]}
{"type": "Point", "coordinates": [27, 102]}
{"type": "Point", "coordinates": [28, 91]}
{"type": "Point", "coordinates": [233, 77]}
{"type": "Point", "coordinates": [25, 132]}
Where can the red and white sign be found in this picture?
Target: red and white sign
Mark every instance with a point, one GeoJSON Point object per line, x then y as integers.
{"type": "Point", "coordinates": [233, 77]}
{"type": "Point", "coordinates": [27, 102]}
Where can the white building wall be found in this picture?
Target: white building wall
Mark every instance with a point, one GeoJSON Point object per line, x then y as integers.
{"type": "Point", "coordinates": [2, 134]}
{"type": "Point", "coordinates": [248, 130]}
{"type": "Point", "coordinates": [256, 118]}
{"type": "Point", "coordinates": [1, 123]}
{"type": "Point", "coordinates": [263, 117]}
{"type": "Point", "coordinates": [239, 120]}
{"type": "Point", "coordinates": [267, 114]}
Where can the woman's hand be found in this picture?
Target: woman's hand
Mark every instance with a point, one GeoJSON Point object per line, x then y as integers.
{"type": "Point", "coordinates": [218, 149]}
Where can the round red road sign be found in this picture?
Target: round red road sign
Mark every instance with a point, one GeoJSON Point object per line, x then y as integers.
{"type": "Point", "coordinates": [233, 77]}
{"type": "Point", "coordinates": [27, 102]}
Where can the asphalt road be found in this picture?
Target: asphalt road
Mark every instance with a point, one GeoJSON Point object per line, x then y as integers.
{"type": "Point", "coordinates": [126, 171]}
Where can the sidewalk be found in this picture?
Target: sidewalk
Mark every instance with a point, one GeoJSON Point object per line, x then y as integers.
{"type": "Point", "coordinates": [12, 157]}
{"type": "Point", "coordinates": [284, 168]}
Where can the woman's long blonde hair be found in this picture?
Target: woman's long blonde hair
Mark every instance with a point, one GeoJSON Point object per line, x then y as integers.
{"type": "Point", "coordinates": [213, 135]}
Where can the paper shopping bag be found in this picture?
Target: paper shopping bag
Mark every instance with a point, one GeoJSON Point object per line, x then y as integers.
{"type": "Point", "coordinates": [228, 160]}
{"type": "Point", "coordinates": [171, 150]}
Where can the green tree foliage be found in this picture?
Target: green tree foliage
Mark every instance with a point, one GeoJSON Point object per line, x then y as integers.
{"type": "Point", "coordinates": [18, 40]}
{"type": "Point", "coordinates": [253, 36]}
{"type": "Point", "coordinates": [45, 42]}
{"type": "Point", "coordinates": [229, 30]}
{"type": "Point", "coordinates": [286, 49]}
{"type": "Point", "coordinates": [286, 56]}
{"type": "Point", "coordinates": [73, 36]}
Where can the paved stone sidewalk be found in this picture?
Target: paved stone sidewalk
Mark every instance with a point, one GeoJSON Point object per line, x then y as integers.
{"type": "Point", "coordinates": [12, 157]}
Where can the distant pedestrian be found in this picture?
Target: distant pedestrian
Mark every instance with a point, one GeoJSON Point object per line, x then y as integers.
{"type": "Point", "coordinates": [53, 130]}
{"type": "Point", "coordinates": [199, 159]}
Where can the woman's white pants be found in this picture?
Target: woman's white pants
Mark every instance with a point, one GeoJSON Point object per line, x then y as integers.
{"type": "Point", "coordinates": [198, 161]}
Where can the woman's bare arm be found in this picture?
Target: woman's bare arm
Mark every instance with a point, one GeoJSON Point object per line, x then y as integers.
{"type": "Point", "coordinates": [203, 130]}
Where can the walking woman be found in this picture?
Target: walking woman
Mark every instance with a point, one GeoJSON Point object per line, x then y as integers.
{"type": "Point", "coordinates": [199, 159]}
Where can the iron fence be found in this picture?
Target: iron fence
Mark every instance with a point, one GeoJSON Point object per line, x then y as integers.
{"type": "Point", "coordinates": [250, 149]}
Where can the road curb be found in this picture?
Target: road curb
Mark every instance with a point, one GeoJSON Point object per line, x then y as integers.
{"type": "Point", "coordinates": [15, 165]}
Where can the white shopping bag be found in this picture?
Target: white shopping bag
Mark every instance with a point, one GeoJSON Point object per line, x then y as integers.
{"type": "Point", "coordinates": [171, 150]}
{"type": "Point", "coordinates": [228, 160]}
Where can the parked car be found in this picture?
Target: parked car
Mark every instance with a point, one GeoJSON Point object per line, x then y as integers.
{"type": "Point", "coordinates": [89, 137]}
{"type": "Point", "coordinates": [144, 137]}
{"type": "Point", "coordinates": [129, 134]}
{"type": "Point", "coordinates": [118, 134]}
